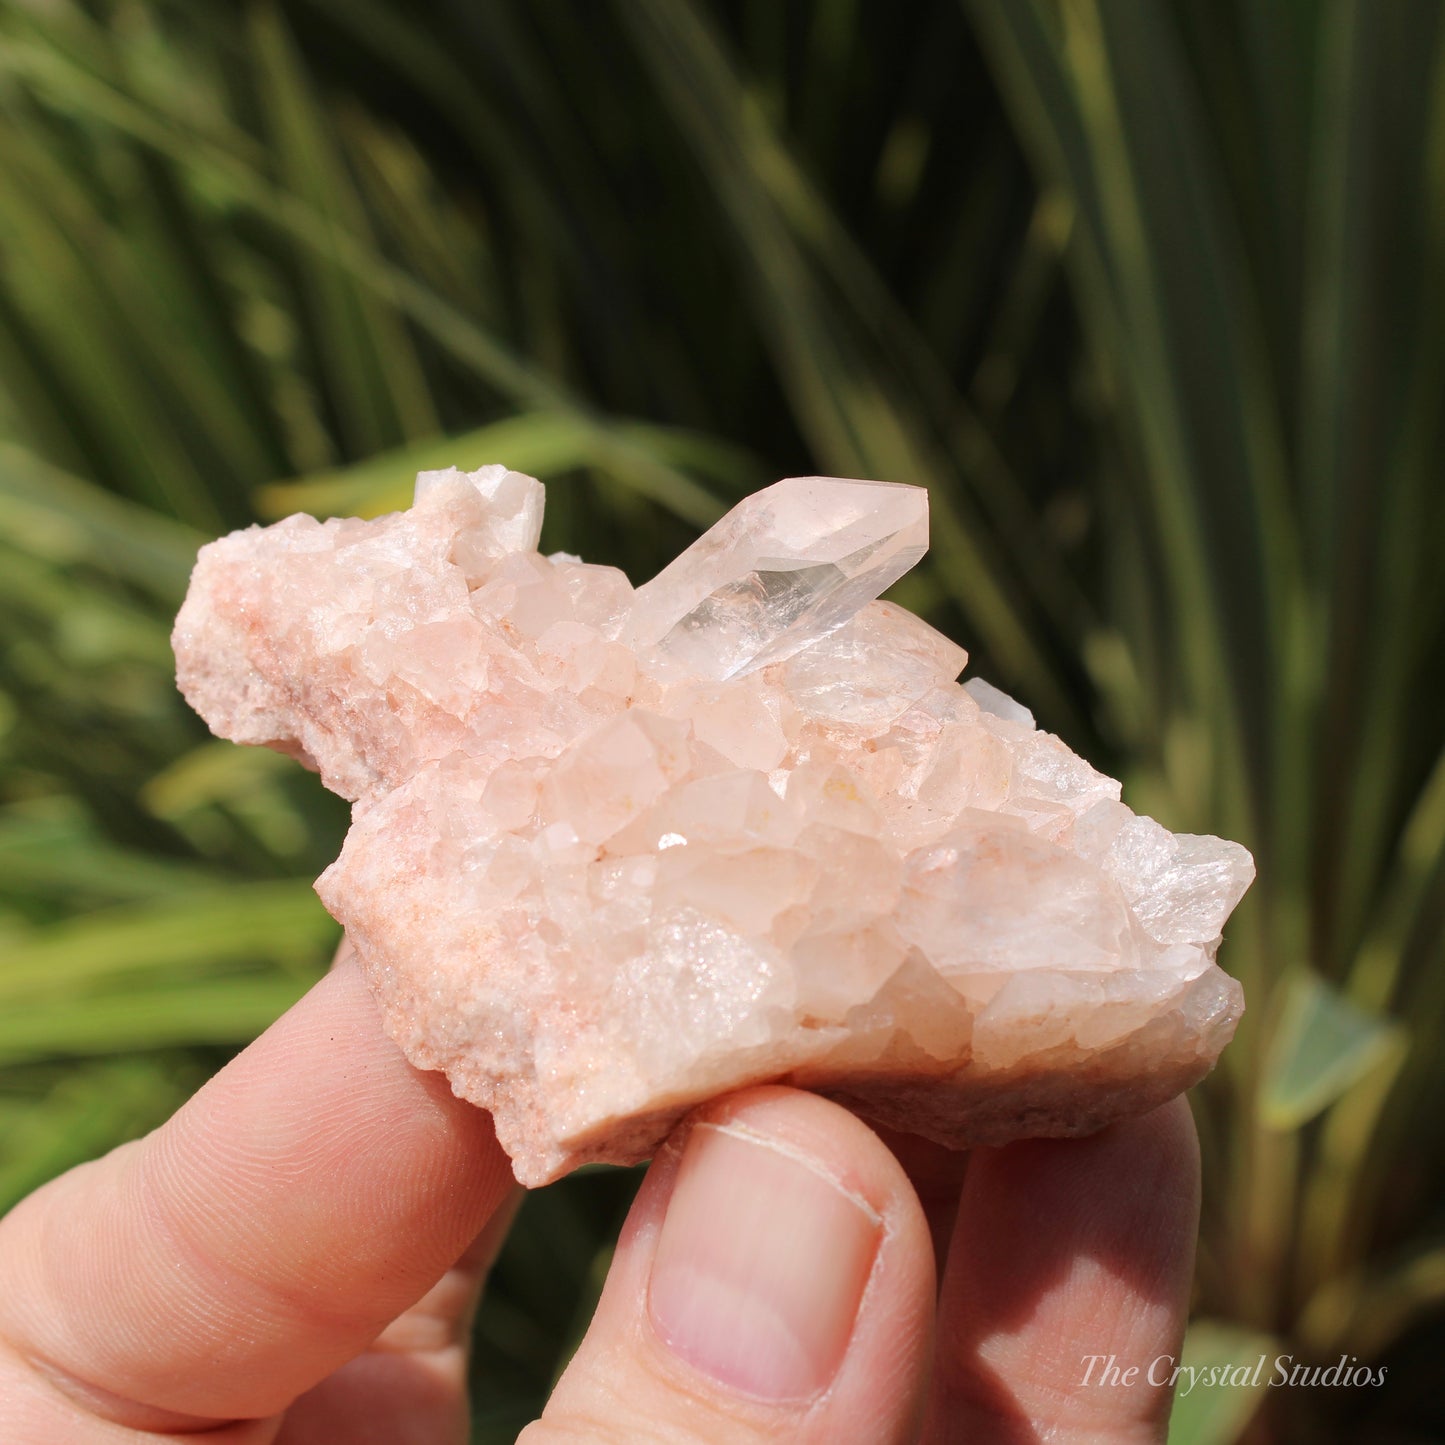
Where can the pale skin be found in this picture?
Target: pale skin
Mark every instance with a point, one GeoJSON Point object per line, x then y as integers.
{"type": "Point", "coordinates": [295, 1257]}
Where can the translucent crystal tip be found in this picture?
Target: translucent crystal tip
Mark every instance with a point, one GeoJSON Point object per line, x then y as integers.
{"type": "Point", "coordinates": [785, 567]}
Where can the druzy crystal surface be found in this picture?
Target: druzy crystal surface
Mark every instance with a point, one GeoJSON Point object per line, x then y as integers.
{"type": "Point", "coordinates": [617, 850]}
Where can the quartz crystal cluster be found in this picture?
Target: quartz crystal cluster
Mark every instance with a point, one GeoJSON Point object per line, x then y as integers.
{"type": "Point", "coordinates": [617, 850]}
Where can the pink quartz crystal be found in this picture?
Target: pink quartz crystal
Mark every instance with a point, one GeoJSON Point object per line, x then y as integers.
{"type": "Point", "coordinates": [615, 851]}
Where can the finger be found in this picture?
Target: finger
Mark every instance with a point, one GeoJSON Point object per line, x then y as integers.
{"type": "Point", "coordinates": [1068, 1252]}
{"type": "Point", "coordinates": [774, 1282]}
{"type": "Point", "coordinates": [310, 1193]}
{"type": "Point", "coordinates": [936, 1174]}
{"type": "Point", "coordinates": [409, 1388]}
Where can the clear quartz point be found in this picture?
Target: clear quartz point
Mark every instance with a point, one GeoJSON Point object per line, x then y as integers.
{"type": "Point", "coordinates": [785, 567]}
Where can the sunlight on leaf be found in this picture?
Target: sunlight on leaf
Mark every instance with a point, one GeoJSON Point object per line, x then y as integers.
{"type": "Point", "coordinates": [539, 443]}
{"type": "Point", "coordinates": [1213, 1406]}
{"type": "Point", "coordinates": [1322, 1047]}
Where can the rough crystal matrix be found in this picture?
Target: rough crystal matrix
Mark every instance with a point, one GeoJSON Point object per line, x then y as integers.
{"type": "Point", "coordinates": [615, 851]}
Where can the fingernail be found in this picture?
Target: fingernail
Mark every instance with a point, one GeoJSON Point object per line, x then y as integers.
{"type": "Point", "coordinates": [761, 1265]}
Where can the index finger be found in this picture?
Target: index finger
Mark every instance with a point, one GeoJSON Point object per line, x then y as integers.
{"type": "Point", "coordinates": [1067, 1287]}
{"type": "Point", "coordinates": [306, 1196]}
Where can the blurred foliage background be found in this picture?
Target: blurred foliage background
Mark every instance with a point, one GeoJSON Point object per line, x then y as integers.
{"type": "Point", "coordinates": [1150, 293]}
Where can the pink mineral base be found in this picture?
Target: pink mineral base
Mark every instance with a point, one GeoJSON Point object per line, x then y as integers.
{"type": "Point", "coordinates": [616, 851]}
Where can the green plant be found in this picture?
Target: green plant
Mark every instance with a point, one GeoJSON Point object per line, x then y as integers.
{"type": "Point", "coordinates": [1149, 294]}
{"type": "Point", "coordinates": [1258, 255]}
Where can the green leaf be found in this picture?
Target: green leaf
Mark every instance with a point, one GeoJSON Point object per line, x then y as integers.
{"type": "Point", "coordinates": [217, 771]}
{"type": "Point", "coordinates": [86, 1113]}
{"type": "Point", "coordinates": [221, 1011]}
{"type": "Point", "coordinates": [67, 519]}
{"type": "Point", "coordinates": [233, 170]}
{"type": "Point", "coordinates": [54, 852]}
{"type": "Point", "coordinates": [1215, 1404]}
{"type": "Point", "coordinates": [240, 923]}
{"type": "Point", "coordinates": [366, 351]}
{"type": "Point", "coordinates": [1410, 1288]}
{"type": "Point", "coordinates": [539, 443]}
{"type": "Point", "coordinates": [207, 791]}
{"type": "Point", "coordinates": [1322, 1046]}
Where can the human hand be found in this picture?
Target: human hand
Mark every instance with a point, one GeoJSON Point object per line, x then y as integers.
{"type": "Point", "coordinates": [294, 1259]}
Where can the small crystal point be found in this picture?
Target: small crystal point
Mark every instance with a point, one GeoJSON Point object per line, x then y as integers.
{"type": "Point", "coordinates": [785, 567]}
{"type": "Point", "coordinates": [513, 505]}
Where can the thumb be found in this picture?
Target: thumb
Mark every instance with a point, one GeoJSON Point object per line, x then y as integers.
{"type": "Point", "coordinates": [774, 1281]}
